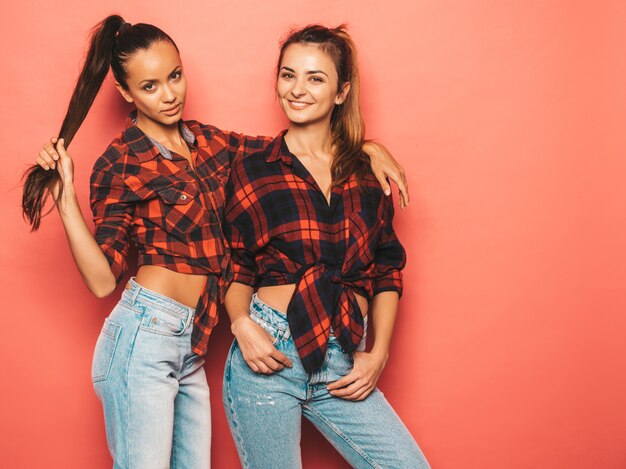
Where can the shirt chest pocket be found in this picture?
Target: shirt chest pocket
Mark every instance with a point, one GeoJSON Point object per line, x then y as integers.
{"type": "Point", "coordinates": [180, 208]}
{"type": "Point", "coordinates": [174, 206]}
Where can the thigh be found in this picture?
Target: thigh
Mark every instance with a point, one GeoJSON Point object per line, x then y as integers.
{"type": "Point", "coordinates": [367, 433]}
{"type": "Point", "coordinates": [264, 414]}
{"type": "Point", "coordinates": [137, 390]}
{"type": "Point", "coordinates": [152, 390]}
{"type": "Point", "coordinates": [192, 418]}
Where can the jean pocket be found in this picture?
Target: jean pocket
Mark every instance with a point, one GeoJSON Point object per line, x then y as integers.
{"type": "Point", "coordinates": [157, 321]}
{"type": "Point", "coordinates": [275, 332]}
{"type": "Point", "coordinates": [340, 363]}
{"type": "Point", "coordinates": [105, 350]}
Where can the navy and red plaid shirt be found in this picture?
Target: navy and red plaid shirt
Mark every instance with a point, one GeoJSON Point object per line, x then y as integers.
{"type": "Point", "coordinates": [144, 194]}
{"type": "Point", "coordinates": [282, 230]}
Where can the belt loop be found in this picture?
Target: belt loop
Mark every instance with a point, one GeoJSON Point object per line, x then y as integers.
{"type": "Point", "coordinates": [189, 318]}
{"type": "Point", "coordinates": [136, 290]}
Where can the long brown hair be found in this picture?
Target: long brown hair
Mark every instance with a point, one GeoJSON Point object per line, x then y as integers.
{"type": "Point", "coordinates": [112, 43]}
{"type": "Point", "coordinates": [346, 121]}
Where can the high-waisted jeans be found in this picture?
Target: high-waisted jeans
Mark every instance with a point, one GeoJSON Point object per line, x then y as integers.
{"type": "Point", "coordinates": [265, 411]}
{"type": "Point", "coordinates": [153, 388]}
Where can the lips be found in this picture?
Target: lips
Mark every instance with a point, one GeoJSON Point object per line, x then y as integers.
{"type": "Point", "coordinates": [171, 111]}
{"type": "Point", "coordinates": [298, 105]}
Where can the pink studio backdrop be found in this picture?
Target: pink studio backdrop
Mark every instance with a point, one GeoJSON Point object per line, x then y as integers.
{"type": "Point", "coordinates": [509, 119]}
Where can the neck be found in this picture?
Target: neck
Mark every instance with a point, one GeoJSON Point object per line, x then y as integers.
{"type": "Point", "coordinates": [159, 132]}
{"type": "Point", "coordinates": [311, 139]}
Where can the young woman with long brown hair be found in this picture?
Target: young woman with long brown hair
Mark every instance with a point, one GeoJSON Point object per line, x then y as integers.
{"type": "Point", "coordinates": [159, 185]}
{"type": "Point", "coordinates": [310, 228]}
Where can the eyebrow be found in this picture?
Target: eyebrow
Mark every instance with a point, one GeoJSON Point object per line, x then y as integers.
{"type": "Point", "coordinates": [310, 72]}
{"type": "Point", "coordinates": [152, 80]}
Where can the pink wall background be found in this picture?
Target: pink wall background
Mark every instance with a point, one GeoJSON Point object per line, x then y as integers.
{"type": "Point", "coordinates": [509, 119]}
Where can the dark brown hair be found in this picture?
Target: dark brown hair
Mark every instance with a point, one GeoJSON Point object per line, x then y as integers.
{"type": "Point", "coordinates": [112, 43]}
{"type": "Point", "coordinates": [346, 121]}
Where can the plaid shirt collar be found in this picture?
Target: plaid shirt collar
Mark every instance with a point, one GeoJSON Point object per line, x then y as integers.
{"type": "Point", "coordinates": [277, 150]}
{"type": "Point", "coordinates": [145, 147]}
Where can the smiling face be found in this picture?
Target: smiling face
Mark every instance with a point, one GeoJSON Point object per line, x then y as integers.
{"type": "Point", "coordinates": [307, 85]}
{"type": "Point", "coordinates": [155, 83]}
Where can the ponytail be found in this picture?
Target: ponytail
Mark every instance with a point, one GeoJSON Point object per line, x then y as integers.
{"type": "Point", "coordinates": [38, 180]}
{"type": "Point", "coordinates": [112, 43]}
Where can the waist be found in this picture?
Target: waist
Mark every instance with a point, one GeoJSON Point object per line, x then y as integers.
{"type": "Point", "coordinates": [182, 287]}
{"type": "Point", "coordinates": [261, 312]}
{"type": "Point", "coordinates": [279, 296]}
{"type": "Point", "coordinates": [134, 292]}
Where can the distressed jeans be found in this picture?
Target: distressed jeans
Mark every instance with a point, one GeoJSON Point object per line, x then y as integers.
{"type": "Point", "coordinates": [153, 388]}
{"type": "Point", "coordinates": [265, 411]}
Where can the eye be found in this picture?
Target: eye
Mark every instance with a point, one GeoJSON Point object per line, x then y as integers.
{"type": "Point", "coordinates": [286, 75]}
{"type": "Point", "coordinates": [317, 79]}
{"type": "Point", "coordinates": [148, 87]}
{"type": "Point", "coordinates": [176, 75]}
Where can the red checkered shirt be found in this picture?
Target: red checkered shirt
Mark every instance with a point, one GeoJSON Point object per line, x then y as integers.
{"type": "Point", "coordinates": [282, 230]}
{"type": "Point", "coordinates": [141, 193]}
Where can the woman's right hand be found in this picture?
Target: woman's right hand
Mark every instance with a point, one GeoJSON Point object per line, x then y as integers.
{"type": "Point", "coordinates": [57, 158]}
{"type": "Point", "coordinates": [257, 348]}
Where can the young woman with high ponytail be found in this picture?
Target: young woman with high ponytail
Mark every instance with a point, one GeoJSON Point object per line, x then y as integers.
{"type": "Point", "coordinates": [311, 231]}
{"type": "Point", "coordinates": [159, 185]}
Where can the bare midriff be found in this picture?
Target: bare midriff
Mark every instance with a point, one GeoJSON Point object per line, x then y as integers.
{"type": "Point", "coordinates": [279, 296]}
{"type": "Point", "coordinates": [184, 288]}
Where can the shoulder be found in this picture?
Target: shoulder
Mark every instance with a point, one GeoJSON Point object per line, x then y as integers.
{"type": "Point", "coordinates": [116, 159]}
{"type": "Point", "coordinates": [198, 128]}
{"type": "Point", "coordinates": [259, 159]}
{"type": "Point", "coordinates": [370, 184]}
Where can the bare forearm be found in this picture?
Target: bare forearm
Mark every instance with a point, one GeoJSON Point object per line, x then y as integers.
{"type": "Point", "coordinates": [383, 310]}
{"type": "Point", "coordinates": [237, 303]}
{"type": "Point", "coordinates": [89, 258]}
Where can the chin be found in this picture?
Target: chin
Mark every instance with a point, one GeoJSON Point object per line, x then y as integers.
{"type": "Point", "coordinates": [299, 118]}
{"type": "Point", "coordinates": [169, 120]}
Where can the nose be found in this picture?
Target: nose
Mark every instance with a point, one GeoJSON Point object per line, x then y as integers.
{"type": "Point", "coordinates": [168, 95]}
{"type": "Point", "coordinates": [298, 88]}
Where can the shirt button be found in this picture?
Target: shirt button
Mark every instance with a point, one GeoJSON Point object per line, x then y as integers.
{"type": "Point", "coordinates": [183, 197]}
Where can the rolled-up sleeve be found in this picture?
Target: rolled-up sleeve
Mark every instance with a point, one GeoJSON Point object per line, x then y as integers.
{"type": "Point", "coordinates": [240, 230]}
{"type": "Point", "coordinates": [390, 256]}
{"type": "Point", "coordinates": [112, 217]}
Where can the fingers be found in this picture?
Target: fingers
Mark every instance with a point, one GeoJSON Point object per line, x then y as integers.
{"type": "Point", "coordinates": [48, 156]}
{"type": "Point", "coordinates": [351, 392]}
{"type": "Point", "coordinates": [382, 179]}
{"type": "Point", "coordinates": [345, 381]}
{"type": "Point", "coordinates": [281, 358]}
{"type": "Point", "coordinates": [267, 365]}
{"type": "Point", "coordinates": [360, 394]}
{"type": "Point", "coordinates": [51, 150]}
{"type": "Point", "coordinates": [265, 358]}
{"type": "Point", "coordinates": [61, 149]}
{"type": "Point", "coordinates": [356, 391]}
{"type": "Point", "coordinates": [45, 160]}
{"type": "Point", "coordinates": [399, 177]}
{"type": "Point", "coordinates": [403, 187]}
{"type": "Point", "coordinates": [260, 367]}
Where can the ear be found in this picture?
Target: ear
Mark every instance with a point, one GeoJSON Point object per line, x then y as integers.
{"type": "Point", "coordinates": [124, 93]}
{"type": "Point", "coordinates": [341, 97]}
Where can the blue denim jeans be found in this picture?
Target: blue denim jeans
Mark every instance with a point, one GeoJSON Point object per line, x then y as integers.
{"type": "Point", "coordinates": [265, 411]}
{"type": "Point", "coordinates": [153, 388]}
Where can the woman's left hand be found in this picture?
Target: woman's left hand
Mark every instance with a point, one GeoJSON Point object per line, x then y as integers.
{"type": "Point", "coordinates": [362, 379]}
{"type": "Point", "coordinates": [385, 166]}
